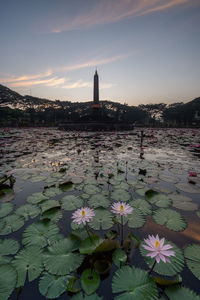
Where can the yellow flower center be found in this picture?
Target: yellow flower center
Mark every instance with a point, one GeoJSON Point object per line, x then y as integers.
{"type": "Point", "coordinates": [156, 244]}
{"type": "Point", "coordinates": [121, 207]}
{"type": "Point", "coordinates": [83, 213]}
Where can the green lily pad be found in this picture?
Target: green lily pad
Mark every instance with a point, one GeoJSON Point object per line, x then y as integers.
{"type": "Point", "coordinates": [52, 286]}
{"type": "Point", "coordinates": [37, 178]}
{"type": "Point", "coordinates": [49, 204]}
{"type": "Point", "coordinates": [8, 279]}
{"type": "Point", "coordinates": [198, 213]}
{"type": "Point", "coordinates": [5, 209]}
{"type": "Point", "coordinates": [11, 224]}
{"type": "Point", "coordinates": [71, 202]}
{"type": "Point", "coordinates": [123, 186]}
{"type": "Point", "coordinates": [28, 260]}
{"type": "Point", "coordinates": [142, 205]}
{"type": "Point", "coordinates": [136, 219]}
{"type": "Point", "coordinates": [120, 195]}
{"type": "Point", "coordinates": [8, 246]}
{"type": "Point", "coordinates": [170, 218]}
{"type": "Point", "coordinates": [167, 269]}
{"type": "Point", "coordinates": [119, 257]}
{"type": "Point", "coordinates": [59, 259]}
{"type": "Point", "coordinates": [160, 200]}
{"type": "Point", "coordinates": [188, 188]}
{"type": "Point", "coordinates": [40, 233]}
{"type": "Point", "coordinates": [183, 202]}
{"type": "Point", "coordinates": [90, 281]}
{"type": "Point", "coordinates": [74, 285]}
{"type": "Point", "coordinates": [192, 255]}
{"type": "Point", "coordinates": [141, 191]}
{"type": "Point", "coordinates": [66, 186]}
{"type": "Point", "coordinates": [89, 245]}
{"type": "Point", "coordinates": [28, 210]}
{"type": "Point", "coordinates": [103, 219]}
{"type": "Point", "coordinates": [54, 215]}
{"type": "Point", "coordinates": [183, 293]}
{"type": "Point", "coordinates": [99, 200]}
{"type": "Point", "coordinates": [91, 189]}
{"type": "Point", "coordinates": [36, 198]}
{"type": "Point", "coordinates": [134, 283]}
{"type": "Point", "coordinates": [52, 192]}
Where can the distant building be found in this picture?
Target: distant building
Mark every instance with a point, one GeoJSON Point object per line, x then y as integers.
{"type": "Point", "coordinates": [96, 106]}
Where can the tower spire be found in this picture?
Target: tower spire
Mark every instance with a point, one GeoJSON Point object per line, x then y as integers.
{"type": "Point", "coordinates": [96, 88]}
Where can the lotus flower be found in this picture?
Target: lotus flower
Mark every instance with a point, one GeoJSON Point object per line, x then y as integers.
{"type": "Point", "coordinates": [158, 249]}
{"type": "Point", "coordinates": [83, 215]}
{"type": "Point", "coordinates": [193, 174]}
{"type": "Point", "coordinates": [121, 209]}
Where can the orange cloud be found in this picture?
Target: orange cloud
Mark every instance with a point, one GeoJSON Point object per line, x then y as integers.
{"type": "Point", "coordinates": [108, 11]}
{"type": "Point", "coordinates": [48, 82]}
{"type": "Point", "coordinates": [81, 84]}
{"type": "Point", "coordinates": [25, 77]}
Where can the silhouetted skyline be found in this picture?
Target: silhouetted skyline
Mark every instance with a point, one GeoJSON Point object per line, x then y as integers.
{"type": "Point", "coordinates": [145, 51]}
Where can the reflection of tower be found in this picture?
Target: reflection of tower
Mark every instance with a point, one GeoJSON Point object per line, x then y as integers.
{"type": "Point", "coordinates": [96, 106]}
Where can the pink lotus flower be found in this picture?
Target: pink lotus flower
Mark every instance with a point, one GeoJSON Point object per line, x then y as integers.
{"type": "Point", "coordinates": [158, 249]}
{"type": "Point", "coordinates": [193, 174]}
{"type": "Point", "coordinates": [121, 209]}
{"type": "Point", "coordinates": [83, 215]}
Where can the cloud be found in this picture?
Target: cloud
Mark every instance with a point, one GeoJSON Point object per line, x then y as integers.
{"type": "Point", "coordinates": [54, 81]}
{"type": "Point", "coordinates": [25, 77]}
{"type": "Point", "coordinates": [82, 84]}
{"type": "Point", "coordinates": [108, 11]}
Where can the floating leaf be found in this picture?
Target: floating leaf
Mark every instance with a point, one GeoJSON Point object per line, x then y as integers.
{"type": "Point", "coordinates": [168, 269]}
{"type": "Point", "coordinates": [52, 192]}
{"type": "Point", "coordinates": [172, 219]}
{"type": "Point", "coordinates": [183, 202]}
{"type": "Point", "coordinates": [74, 285]}
{"type": "Point", "coordinates": [90, 281]}
{"type": "Point", "coordinates": [167, 282]}
{"type": "Point", "coordinates": [49, 204]}
{"type": "Point", "coordinates": [80, 296]}
{"type": "Point", "coordinates": [52, 286]}
{"type": "Point", "coordinates": [36, 198]}
{"type": "Point", "coordinates": [37, 178]}
{"type": "Point", "coordinates": [136, 219]}
{"type": "Point", "coordinates": [54, 214]}
{"type": "Point", "coordinates": [28, 260]}
{"type": "Point", "coordinates": [192, 255]}
{"type": "Point", "coordinates": [5, 209]}
{"type": "Point", "coordinates": [188, 188]}
{"type": "Point", "coordinates": [99, 200]}
{"type": "Point", "coordinates": [183, 293]}
{"type": "Point", "coordinates": [119, 257]}
{"type": "Point", "coordinates": [123, 186]}
{"type": "Point", "coordinates": [60, 260]}
{"type": "Point", "coordinates": [71, 202]}
{"type": "Point", "coordinates": [66, 186]}
{"type": "Point", "coordinates": [198, 213]}
{"type": "Point", "coordinates": [106, 245]}
{"type": "Point", "coordinates": [8, 246]}
{"type": "Point", "coordinates": [141, 191]}
{"type": "Point", "coordinates": [40, 233]}
{"type": "Point", "coordinates": [120, 195]}
{"type": "Point", "coordinates": [102, 219]}
{"type": "Point", "coordinates": [134, 283]}
{"type": "Point", "coordinates": [102, 266]}
{"type": "Point", "coordinates": [28, 210]}
{"type": "Point", "coordinates": [91, 189]}
{"type": "Point", "coordinates": [89, 245]}
{"type": "Point", "coordinates": [160, 200]}
{"type": "Point", "coordinates": [12, 224]}
{"type": "Point", "coordinates": [142, 205]}
{"type": "Point", "coordinates": [8, 278]}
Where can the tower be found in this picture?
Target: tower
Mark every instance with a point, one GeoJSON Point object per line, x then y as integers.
{"type": "Point", "coordinates": [96, 106]}
{"type": "Point", "coordinates": [96, 89]}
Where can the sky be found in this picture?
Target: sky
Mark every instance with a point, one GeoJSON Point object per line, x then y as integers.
{"type": "Point", "coordinates": [145, 51]}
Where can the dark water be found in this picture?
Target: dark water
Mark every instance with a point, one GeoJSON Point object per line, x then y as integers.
{"type": "Point", "coordinates": [35, 157]}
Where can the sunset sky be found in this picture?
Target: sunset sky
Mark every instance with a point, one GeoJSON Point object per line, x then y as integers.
{"type": "Point", "coordinates": [145, 51]}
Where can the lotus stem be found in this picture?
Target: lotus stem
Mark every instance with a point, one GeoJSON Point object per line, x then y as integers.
{"type": "Point", "coordinates": [122, 229]}
{"type": "Point", "coordinates": [86, 227]}
{"type": "Point", "coordinates": [149, 272]}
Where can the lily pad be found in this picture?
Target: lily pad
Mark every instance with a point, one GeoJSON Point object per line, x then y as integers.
{"type": "Point", "coordinates": [40, 233]}
{"type": "Point", "coordinates": [192, 255]}
{"type": "Point", "coordinates": [90, 281]}
{"type": "Point", "coordinates": [28, 210]}
{"type": "Point", "coordinates": [49, 204]}
{"type": "Point", "coordinates": [119, 257]}
{"type": "Point", "coordinates": [183, 293]}
{"type": "Point", "coordinates": [28, 260]}
{"type": "Point", "coordinates": [141, 191]}
{"type": "Point", "coordinates": [8, 246]}
{"type": "Point", "coordinates": [102, 220]}
{"type": "Point", "coordinates": [71, 202]}
{"type": "Point", "coordinates": [11, 224]}
{"type": "Point", "coordinates": [167, 269]}
{"type": "Point", "coordinates": [54, 215]}
{"type": "Point", "coordinates": [52, 286]}
{"type": "Point", "coordinates": [160, 200]}
{"type": "Point", "coordinates": [52, 192]}
{"type": "Point", "coordinates": [188, 188]}
{"type": "Point", "coordinates": [120, 195]}
{"type": "Point", "coordinates": [183, 202]}
{"type": "Point", "coordinates": [136, 219]}
{"type": "Point", "coordinates": [91, 189]}
{"type": "Point", "coordinates": [8, 279]}
{"type": "Point", "coordinates": [99, 200]}
{"type": "Point", "coordinates": [59, 259]}
{"type": "Point", "coordinates": [5, 209]}
{"type": "Point", "coordinates": [170, 218]}
{"type": "Point", "coordinates": [142, 205]}
{"type": "Point", "coordinates": [89, 245]}
{"type": "Point", "coordinates": [36, 198]}
{"type": "Point", "coordinates": [80, 296]}
{"type": "Point", "coordinates": [134, 283]}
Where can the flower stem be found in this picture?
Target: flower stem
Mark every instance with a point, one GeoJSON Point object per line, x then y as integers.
{"type": "Point", "coordinates": [86, 227]}
{"type": "Point", "coordinates": [122, 237]}
{"type": "Point", "coordinates": [149, 272]}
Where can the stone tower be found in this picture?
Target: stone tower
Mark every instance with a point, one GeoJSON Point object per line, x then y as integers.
{"type": "Point", "coordinates": [96, 88]}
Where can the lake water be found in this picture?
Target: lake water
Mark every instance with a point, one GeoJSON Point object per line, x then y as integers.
{"type": "Point", "coordinates": [164, 173]}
